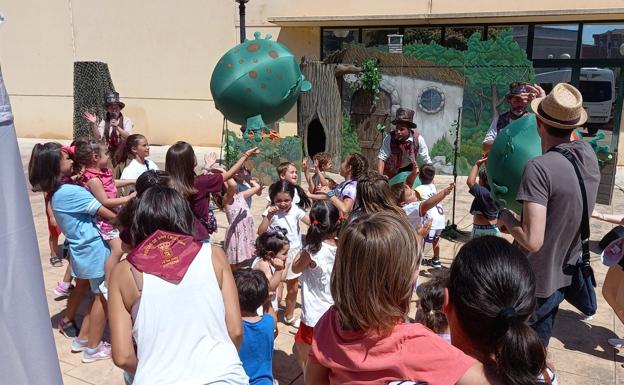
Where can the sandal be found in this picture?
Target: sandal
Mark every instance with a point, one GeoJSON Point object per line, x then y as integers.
{"type": "Point", "coordinates": [56, 261]}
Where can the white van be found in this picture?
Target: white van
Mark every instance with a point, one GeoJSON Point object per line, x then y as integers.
{"type": "Point", "coordinates": [597, 85]}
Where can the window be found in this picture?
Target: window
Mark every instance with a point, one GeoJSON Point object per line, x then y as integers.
{"type": "Point", "coordinates": [431, 100]}
{"type": "Point", "coordinates": [519, 32]}
{"type": "Point", "coordinates": [334, 39]}
{"type": "Point", "coordinates": [426, 35]}
{"type": "Point", "coordinates": [457, 37]}
{"type": "Point", "coordinates": [555, 41]}
{"type": "Point", "coordinates": [603, 41]}
{"type": "Point", "coordinates": [377, 37]}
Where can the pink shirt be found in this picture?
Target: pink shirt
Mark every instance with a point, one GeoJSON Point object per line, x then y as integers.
{"type": "Point", "coordinates": [412, 352]}
{"type": "Point", "coordinates": [105, 175]}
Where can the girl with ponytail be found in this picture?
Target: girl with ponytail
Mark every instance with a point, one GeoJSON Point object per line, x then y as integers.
{"type": "Point", "coordinates": [316, 263]}
{"type": "Point", "coordinates": [491, 295]}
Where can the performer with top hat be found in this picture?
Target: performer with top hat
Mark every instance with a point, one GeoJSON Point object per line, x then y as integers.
{"type": "Point", "coordinates": [400, 147]}
{"type": "Point", "coordinates": [519, 96]}
{"type": "Point", "coordinates": [114, 129]}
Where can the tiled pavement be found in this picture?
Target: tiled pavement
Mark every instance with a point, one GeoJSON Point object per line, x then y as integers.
{"type": "Point", "coordinates": [579, 350]}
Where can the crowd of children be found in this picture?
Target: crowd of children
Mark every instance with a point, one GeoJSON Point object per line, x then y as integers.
{"type": "Point", "coordinates": [183, 310]}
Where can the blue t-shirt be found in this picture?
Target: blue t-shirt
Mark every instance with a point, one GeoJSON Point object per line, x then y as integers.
{"type": "Point", "coordinates": [74, 208]}
{"type": "Point", "coordinates": [256, 351]}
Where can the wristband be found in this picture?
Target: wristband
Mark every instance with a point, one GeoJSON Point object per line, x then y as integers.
{"type": "Point", "coordinates": [331, 193]}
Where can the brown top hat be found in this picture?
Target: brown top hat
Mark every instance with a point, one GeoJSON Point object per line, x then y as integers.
{"type": "Point", "coordinates": [405, 115]}
{"type": "Point", "coordinates": [113, 98]}
{"type": "Point", "coordinates": [562, 108]}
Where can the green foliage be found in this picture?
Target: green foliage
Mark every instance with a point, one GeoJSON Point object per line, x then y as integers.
{"type": "Point", "coordinates": [370, 78]}
{"type": "Point", "coordinates": [350, 143]}
{"type": "Point", "coordinates": [233, 148]}
{"type": "Point", "coordinates": [290, 148]}
{"type": "Point", "coordinates": [442, 148]}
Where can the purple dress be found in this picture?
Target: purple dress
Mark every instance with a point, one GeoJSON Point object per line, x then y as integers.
{"type": "Point", "coordinates": [241, 235]}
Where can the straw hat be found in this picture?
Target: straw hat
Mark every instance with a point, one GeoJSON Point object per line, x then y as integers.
{"type": "Point", "coordinates": [562, 108]}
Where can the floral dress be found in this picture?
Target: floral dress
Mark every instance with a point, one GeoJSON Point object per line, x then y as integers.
{"type": "Point", "coordinates": [241, 235]}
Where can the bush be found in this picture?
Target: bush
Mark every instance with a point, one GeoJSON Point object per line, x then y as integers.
{"type": "Point", "coordinates": [442, 148]}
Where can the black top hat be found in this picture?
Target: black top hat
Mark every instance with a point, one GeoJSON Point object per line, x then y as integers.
{"type": "Point", "coordinates": [113, 98]}
{"type": "Point", "coordinates": [405, 115]}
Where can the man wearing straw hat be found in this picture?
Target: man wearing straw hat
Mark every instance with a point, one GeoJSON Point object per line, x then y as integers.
{"type": "Point", "coordinates": [519, 96]}
{"type": "Point", "coordinates": [552, 205]}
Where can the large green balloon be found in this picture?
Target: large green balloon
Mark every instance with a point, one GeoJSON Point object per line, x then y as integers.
{"type": "Point", "coordinates": [257, 82]}
{"type": "Point", "coordinates": [514, 146]}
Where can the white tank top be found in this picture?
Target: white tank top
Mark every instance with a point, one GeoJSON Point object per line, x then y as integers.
{"type": "Point", "coordinates": [316, 290]}
{"type": "Point", "coordinates": [181, 333]}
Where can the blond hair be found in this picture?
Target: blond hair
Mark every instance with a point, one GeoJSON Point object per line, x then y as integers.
{"type": "Point", "coordinates": [283, 167]}
{"type": "Point", "coordinates": [373, 277]}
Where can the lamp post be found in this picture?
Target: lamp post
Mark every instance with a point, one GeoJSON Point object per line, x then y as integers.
{"type": "Point", "coordinates": [241, 14]}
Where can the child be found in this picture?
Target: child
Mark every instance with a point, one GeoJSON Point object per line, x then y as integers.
{"type": "Point", "coordinates": [180, 163]}
{"type": "Point", "coordinates": [53, 233]}
{"type": "Point", "coordinates": [74, 208]}
{"type": "Point", "coordinates": [256, 351]}
{"type": "Point", "coordinates": [136, 150]}
{"type": "Point", "coordinates": [364, 339]}
{"type": "Point", "coordinates": [283, 213]}
{"type": "Point", "coordinates": [414, 208]}
{"type": "Point", "coordinates": [425, 191]}
{"type": "Point", "coordinates": [92, 159]}
{"type": "Point", "coordinates": [316, 263]}
{"type": "Point", "coordinates": [430, 303]}
{"type": "Point", "coordinates": [287, 171]}
{"type": "Point", "coordinates": [490, 298]}
{"type": "Point", "coordinates": [240, 237]}
{"type": "Point", "coordinates": [272, 251]}
{"type": "Point", "coordinates": [483, 209]}
{"type": "Point", "coordinates": [322, 163]}
{"type": "Point", "coordinates": [352, 169]}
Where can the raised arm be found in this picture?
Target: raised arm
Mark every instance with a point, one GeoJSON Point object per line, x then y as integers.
{"type": "Point", "coordinates": [434, 200]}
{"type": "Point", "coordinates": [92, 119]}
{"type": "Point", "coordinates": [412, 176]}
{"type": "Point", "coordinates": [236, 167]}
{"type": "Point", "coordinates": [256, 188]}
{"type": "Point", "coordinates": [307, 175]}
{"type": "Point", "coordinates": [472, 177]}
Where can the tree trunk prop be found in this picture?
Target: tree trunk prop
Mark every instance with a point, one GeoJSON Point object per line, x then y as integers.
{"type": "Point", "coordinates": [322, 103]}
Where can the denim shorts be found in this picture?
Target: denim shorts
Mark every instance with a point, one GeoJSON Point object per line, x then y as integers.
{"type": "Point", "coordinates": [481, 230]}
{"type": "Point", "coordinates": [95, 285]}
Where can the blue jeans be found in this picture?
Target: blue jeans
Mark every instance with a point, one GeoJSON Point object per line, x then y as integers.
{"type": "Point", "coordinates": [543, 318]}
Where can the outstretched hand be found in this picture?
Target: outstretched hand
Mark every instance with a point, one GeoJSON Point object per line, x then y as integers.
{"type": "Point", "coordinates": [90, 116]}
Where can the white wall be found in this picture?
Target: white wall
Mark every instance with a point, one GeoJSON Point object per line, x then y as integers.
{"type": "Point", "coordinates": [405, 90]}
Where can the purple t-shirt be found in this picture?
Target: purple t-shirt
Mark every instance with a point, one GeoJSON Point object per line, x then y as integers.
{"type": "Point", "coordinates": [347, 189]}
{"type": "Point", "coordinates": [200, 202]}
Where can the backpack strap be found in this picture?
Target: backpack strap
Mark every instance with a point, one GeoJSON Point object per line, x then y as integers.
{"type": "Point", "coordinates": [585, 218]}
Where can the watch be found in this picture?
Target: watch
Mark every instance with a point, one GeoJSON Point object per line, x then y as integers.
{"type": "Point", "coordinates": [331, 193]}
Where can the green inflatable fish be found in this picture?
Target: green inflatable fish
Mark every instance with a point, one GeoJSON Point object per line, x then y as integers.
{"type": "Point", "coordinates": [256, 83]}
{"type": "Point", "coordinates": [513, 148]}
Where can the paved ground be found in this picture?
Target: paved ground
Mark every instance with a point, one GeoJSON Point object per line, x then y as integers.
{"type": "Point", "coordinates": [579, 350]}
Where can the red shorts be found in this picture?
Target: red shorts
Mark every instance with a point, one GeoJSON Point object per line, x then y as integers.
{"type": "Point", "coordinates": [304, 334]}
{"type": "Point", "coordinates": [54, 231]}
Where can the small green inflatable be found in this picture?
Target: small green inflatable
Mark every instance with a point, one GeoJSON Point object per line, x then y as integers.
{"type": "Point", "coordinates": [402, 177]}
{"type": "Point", "coordinates": [256, 83]}
{"type": "Point", "coordinates": [514, 146]}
